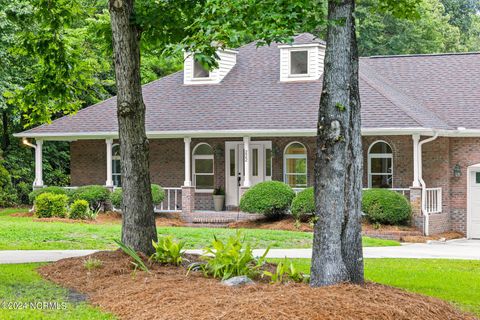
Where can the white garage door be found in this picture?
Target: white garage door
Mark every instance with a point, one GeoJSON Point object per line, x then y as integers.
{"type": "Point", "coordinates": [474, 205]}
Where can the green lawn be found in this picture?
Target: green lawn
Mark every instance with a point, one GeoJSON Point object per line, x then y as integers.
{"type": "Point", "coordinates": [456, 281]}
{"type": "Point", "coordinates": [20, 283]}
{"type": "Point", "coordinates": [23, 233]}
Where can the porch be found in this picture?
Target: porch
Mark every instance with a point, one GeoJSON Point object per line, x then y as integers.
{"type": "Point", "coordinates": [189, 169]}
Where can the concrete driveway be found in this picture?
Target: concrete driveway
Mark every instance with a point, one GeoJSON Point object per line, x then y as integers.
{"type": "Point", "coordinates": [454, 249]}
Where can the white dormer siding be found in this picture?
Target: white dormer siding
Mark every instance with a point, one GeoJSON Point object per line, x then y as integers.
{"type": "Point", "coordinates": [315, 54]}
{"type": "Point", "coordinates": [227, 60]}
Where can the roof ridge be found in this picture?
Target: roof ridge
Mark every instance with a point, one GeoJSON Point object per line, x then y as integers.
{"type": "Point", "coordinates": [425, 117]}
{"type": "Point", "coordinates": [413, 55]}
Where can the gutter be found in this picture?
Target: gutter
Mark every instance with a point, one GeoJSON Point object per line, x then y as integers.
{"type": "Point", "coordinates": [422, 182]}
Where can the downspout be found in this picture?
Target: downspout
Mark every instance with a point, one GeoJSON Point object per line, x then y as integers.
{"type": "Point", "coordinates": [31, 145]}
{"type": "Point", "coordinates": [422, 182]}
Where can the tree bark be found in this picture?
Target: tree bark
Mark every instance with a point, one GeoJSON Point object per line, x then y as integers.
{"type": "Point", "coordinates": [337, 252]}
{"type": "Point", "coordinates": [138, 221]}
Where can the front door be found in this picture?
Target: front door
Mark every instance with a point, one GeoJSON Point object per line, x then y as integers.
{"type": "Point", "coordinates": [474, 204]}
{"type": "Point", "coordinates": [260, 167]}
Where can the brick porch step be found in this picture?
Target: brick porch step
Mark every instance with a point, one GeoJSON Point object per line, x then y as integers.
{"type": "Point", "coordinates": [217, 218]}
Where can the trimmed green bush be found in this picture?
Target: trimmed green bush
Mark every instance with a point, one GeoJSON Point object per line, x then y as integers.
{"type": "Point", "coordinates": [271, 198]}
{"type": "Point", "coordinates": [158, 194]}
{"type": "Point", "coordinates": [303, 205]}
{"type": "Point", "coordinates": [55, 190]}
{"type": "Point", "coordinates": [80, 209]}
{"type": "Point", "coordinates": [51, 205]}
{"type": "Point", "coordinates": [95, 195]}
{"type": "Point", "coordinates": [386, 207]}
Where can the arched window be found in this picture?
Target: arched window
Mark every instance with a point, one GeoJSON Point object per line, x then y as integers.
{"type": "Point", "coordinates": [116, 173]}
{"type": "Point", "coordinates": [202, 162]}
{"type": "Point", "coordinates": [380, 165]}
{"type": "Point", "coordinates": [295, 165]}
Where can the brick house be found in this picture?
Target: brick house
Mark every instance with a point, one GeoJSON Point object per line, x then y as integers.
{"type": "Point", "coordinates": [254, 119]}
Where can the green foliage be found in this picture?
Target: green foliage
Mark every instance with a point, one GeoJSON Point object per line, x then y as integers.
{"type": "Point", "coordinates": [386, 207]}
{"type": "Point", "coordinates": [168, 250]}
{"type": "Point", "coordinates": [137, 261]}
{"type": "Point", "coordinates": [271, 198]}
{"type": "Point", "coordinates": [8, 195]}
{"type": "Point", "coordinates": [303, 205]}
{"type": "Point", "coordinates": [95, 195]}
{"type": "Point", "coordinates": [218, 191]}
{"type": "Point", "coordinates": [285, 271]}
{"type": "Point", "coordinates": [92, 264]}
{"type": "Point", "coordinates": [55, 190]}
{"type": "Point", "coordinates": [158, 195]}
{"type": "Point", "coordinates": [231, 259]}
{"type": "Point", "coordinates": [80, 210]}
{"type": "Point", "coordinates": [51, 205]}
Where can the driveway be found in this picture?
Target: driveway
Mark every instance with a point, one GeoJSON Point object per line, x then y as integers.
{"type": "Point", "coordinates": [454, 249]}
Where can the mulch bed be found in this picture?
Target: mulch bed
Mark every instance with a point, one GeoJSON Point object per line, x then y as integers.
{"type": "Point", "coordinates": [104, 218]}
{"type": "Point", "coordinates": [167, 293]}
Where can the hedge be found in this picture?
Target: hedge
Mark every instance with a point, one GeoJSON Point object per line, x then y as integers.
{"type": "Point", "coordinates": [158, 194]}
{"type": "Point", "coordinates": [55, 190]}
{"type": "Point", "coordinates": [51, 205]}
{"type": "Point", "coordinates": [303, 205]}
{"type": "Point", "coordinates": [80, 209]}
{"type": "Point", "coordinates": [271, 198]}
{"type": "Point", "coordinates": [95, 195]}
{"type": "Point", "coordinates": [386, 207]}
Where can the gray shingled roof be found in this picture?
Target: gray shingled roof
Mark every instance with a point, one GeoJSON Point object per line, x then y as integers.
{"type": "Point", "coordinates": [425, 91]}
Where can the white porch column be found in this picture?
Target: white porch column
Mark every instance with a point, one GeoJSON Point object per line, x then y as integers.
{"type": "Point", "coordinates": [38, 164]}
{"type": "Point", "coordinates": [109, 182]}
{"type": "Point", "coordinates": [246, 150]}
{"type": "Point", "coordinates": [188, 179]}
{"type": "Point", "coordinates": [416, 161]}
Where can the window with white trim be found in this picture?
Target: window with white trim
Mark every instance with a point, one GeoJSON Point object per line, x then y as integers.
{"type": "Point", "coordinates": [202, 162]}
{"type": "Point", "coordinates": [199, 71]}
{"type": "Point", "coordinates": [298, 62]}
{"type": "Point", "coordinates": [295, 165]}
{"type": "Point", "coordinates": [380, 165]}
{"type": "Point", "coordinates": [116, 172]}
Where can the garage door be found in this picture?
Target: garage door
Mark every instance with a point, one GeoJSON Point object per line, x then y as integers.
{"type": "Point", "coordinates": [474, 205]}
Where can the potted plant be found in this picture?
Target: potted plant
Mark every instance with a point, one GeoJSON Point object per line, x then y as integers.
{"type": "Point", "coordinates": [218, 198]}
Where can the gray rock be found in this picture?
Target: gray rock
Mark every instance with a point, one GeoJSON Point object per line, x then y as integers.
{"type": "Point", "coordinates": [238, 281]}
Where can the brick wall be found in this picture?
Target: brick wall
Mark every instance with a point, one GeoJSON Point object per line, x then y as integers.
{"type": "Point", "coordinates": [88, 162]}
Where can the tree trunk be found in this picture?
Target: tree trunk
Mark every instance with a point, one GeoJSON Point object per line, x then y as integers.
{"type": "Point", "coordinates": [337, 251]}
{"type": "Point", "coordinates": [138, 221]}
{"type": "Point", "coordinates": [5, 133]}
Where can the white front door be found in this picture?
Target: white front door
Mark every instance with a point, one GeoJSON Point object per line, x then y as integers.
{"type": "Point", "coordinates": [474, 204]}
{"type": "Point", "coordinates": [260, 167]}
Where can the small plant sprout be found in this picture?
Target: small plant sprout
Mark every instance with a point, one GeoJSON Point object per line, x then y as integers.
{"type": "Point", "coordinates": [137, 261]}
{"type": "Point", "coordinates": [92, 263]}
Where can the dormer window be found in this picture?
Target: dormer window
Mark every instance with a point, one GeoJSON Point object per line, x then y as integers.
{"type": "Point", "coordinates": [299, 62]}
{"type": "Point", "coordinates": [199, 71]}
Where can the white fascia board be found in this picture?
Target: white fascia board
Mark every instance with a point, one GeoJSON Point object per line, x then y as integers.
{"type": "Point", "coordinates": [307, 45]}
{"type": "Point", "coordinates": [69, 136]}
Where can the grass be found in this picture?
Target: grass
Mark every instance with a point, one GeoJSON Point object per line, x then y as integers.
{"type": "Point", "coordinates": [456, 281]}
{"type": "Point", "coordinates": [20, 283]}
{"type": "Point", "coordinates": [22, 233]}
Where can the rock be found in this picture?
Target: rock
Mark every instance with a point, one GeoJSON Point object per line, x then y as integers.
{"type": "Point", "coordinates": [238, 281]}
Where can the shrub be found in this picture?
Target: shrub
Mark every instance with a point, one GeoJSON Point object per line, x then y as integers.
{"type": "Point", "coordinates": [51, 205]}
{"type": "Point", "coordinates": [303, 205]}
{"type": "Point", "coordinates": [271, 198]}
{"type": "Point", "coordinates": [55, 190]}
{"type": "Point", "coordinates": [8, 195]}
{"type": "Point", "coordinates": [230, 259]}
{"type": "Point", "coordinates": [158, 194]}
{"type": "Point", "coordinates": [168, 250]}
{"type": "Point", "coordinates": [95, 195]}
{"type": "Point", "coordinates": [386, 207]}
{"type": "Point", "coordinates": [80, 209]}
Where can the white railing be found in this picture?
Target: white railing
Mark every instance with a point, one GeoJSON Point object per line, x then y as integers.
{"type": "Point", "coordinates": [172, 201]}
{"type": "Point", "coordinates": [432, 200]}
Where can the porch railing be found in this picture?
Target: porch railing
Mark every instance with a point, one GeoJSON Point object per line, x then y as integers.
{"type": "Point", "coordinates": [432, 200]}
{"type": "Point", "coordinates": [172, 201]}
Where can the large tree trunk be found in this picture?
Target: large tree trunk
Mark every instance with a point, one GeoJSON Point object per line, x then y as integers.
{"type": "Point", "coordinates": [138, 221]}
{"type": "Point", "coordinates": [337, 251]}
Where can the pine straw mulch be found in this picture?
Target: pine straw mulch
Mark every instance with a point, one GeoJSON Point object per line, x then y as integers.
{"type": "Point", "coordinates": [167, 293]}
{"type": "Point", "coordinates": [449, 235]}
